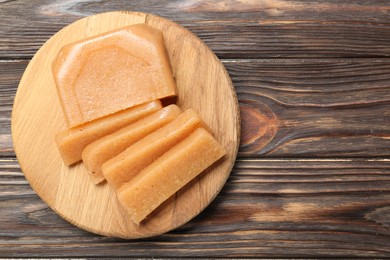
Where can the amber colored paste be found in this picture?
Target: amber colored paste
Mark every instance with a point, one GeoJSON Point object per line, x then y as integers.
{"type": "Point", "coordinates": [134, 159]}
{"type": "Point", "coordinates": [107, 147]}
{"type": "Point", "coordinates": [71, 142]}
{"type": "Point", "coordinates": [169, 173]}
{"type": "Point", "coordinates": [110, 72]}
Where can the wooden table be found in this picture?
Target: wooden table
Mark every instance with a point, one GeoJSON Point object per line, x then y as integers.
{"type": "Point", "coordinates": [313, 173]}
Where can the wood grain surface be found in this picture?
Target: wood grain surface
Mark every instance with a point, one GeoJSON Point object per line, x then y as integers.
{"type": "Point", "coordinates": [261, 29]}
{"type": "Point", "coordinates": [313, 174]}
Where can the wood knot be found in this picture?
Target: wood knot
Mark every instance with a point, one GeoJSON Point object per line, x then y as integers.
{"type": "Point", "coordinates": [259, 126]}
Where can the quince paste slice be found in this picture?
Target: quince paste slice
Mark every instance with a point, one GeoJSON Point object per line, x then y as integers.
{"type": "Point", "coordinates": [107, 147]}
{"type": "Point", "coordinates": [169, 173]}
{"type": "Point", "coordinates": [71, 142]}
{"type": "Point", "coordinates": [110, 72]}
{"type": "Point", "coordinates": [123, 167]}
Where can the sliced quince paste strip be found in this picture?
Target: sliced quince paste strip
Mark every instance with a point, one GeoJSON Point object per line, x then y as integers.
{"type": "Point", "coordinates": [134, 159]}
{"type": "Point", "coordinates": [71, 142]}
{"type": "Point", "coordinates": [169, 173]}
{"type": "Point", "coordinates": [100, 151]}
{"type": "Point", "coordinates": [113, 71]}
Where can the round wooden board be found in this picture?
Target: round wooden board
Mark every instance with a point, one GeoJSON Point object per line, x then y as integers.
{"type": "Point", "coordinates": [203, 84]}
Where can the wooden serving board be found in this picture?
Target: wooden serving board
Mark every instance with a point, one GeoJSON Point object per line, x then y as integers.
{"type": "Point", "coordinates": [203, 84]}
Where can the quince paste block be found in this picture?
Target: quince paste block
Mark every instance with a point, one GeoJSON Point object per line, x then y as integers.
{"type": "Point", "coordinates": [169, 173]}
{"type": "Point", "coordinates": [123, 167]}
{"type": "Point", "coordinates": [105, 148]}
{"type": "Point", "coordinates": [110, 72]}
{"type": "Point", "coordinates": [71, 142]}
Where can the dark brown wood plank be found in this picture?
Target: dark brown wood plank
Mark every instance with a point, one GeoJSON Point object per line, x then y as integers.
{"type": "Point", "coordinates": [233, 29]}
{"type": "Point", "coordinates": [10, 74]}
{"type": "Point", "coordinates": [331, 117]}
{"type": "Point", "coordinates": [268, 208]}
{"type": "Point", "coordinates": [290, 108]}
{"type": "Point", "coordinates": [320, 108]}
